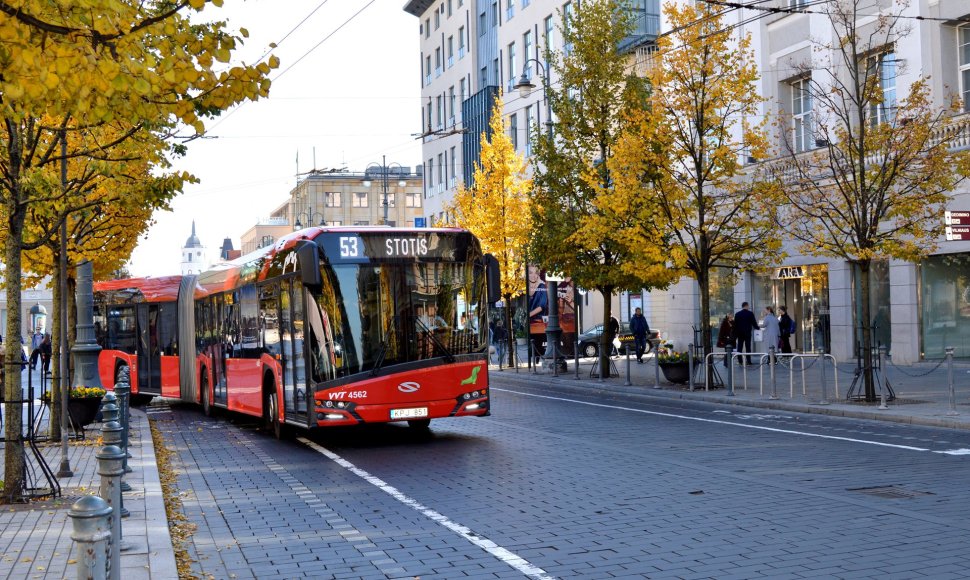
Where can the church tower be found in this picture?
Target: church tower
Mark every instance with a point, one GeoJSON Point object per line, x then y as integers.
{"type": "Point", "coordinates": [193, 254]}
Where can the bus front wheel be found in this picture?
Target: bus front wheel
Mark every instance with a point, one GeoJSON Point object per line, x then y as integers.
{"type": "Point", "coordinates": [206, 404]}
{"type": "Point", "coordinates": [272, 417]}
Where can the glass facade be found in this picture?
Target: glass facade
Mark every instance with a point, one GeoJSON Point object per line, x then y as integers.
{"type": "Point", "coordinates": [878, 305]}
{"type": "Point", "coordinates": [945, 305]}
{"type": "Point", "coordinates": [804, 290]}
{"type": "Point", "coordinates": [722, 298]}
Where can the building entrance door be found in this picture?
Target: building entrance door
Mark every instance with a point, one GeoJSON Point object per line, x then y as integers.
{"type": "Point", "coordinates": [804, 290]}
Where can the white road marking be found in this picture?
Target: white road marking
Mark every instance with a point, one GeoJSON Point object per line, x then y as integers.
{"type": "Point", "coordinates": [703, 420]}
{"type": "Point", "coordinates": [955, 452]}
{"type": "Point", "coordinates": [517, 562]}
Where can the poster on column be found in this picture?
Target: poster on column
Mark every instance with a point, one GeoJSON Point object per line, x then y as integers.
{"type": "Point", "coordinates": [539, 303]}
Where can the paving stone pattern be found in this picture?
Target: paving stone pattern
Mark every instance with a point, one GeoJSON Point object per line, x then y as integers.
{"type": "Point", "coordinates": [578, 491]}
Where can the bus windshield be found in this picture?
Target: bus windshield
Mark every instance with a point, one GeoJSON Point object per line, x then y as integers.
{"type": "Point", "coordinates": [369, 317]}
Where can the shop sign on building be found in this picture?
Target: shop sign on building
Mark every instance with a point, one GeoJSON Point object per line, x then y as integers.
{"type": "Point", "coordinates": [957, 225]}
{"type": "Point", "coordinates": [789, 272]}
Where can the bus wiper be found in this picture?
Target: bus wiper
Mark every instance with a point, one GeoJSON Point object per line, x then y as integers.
{"type": "Point", "coordinates": [388, 332]}
{"type": "Point", "coordinates": [449, 356]}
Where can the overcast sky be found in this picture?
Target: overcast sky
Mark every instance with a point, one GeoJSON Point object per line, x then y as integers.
{"type": "Point", "coordinates": [347, 92]}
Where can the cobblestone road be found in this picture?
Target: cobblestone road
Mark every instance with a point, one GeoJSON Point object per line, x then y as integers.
{"type": "Point", "coordinates": [566, 485]}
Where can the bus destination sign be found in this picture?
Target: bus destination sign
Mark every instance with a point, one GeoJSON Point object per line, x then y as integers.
{"type": "Point", "coordinates": [362, 248]}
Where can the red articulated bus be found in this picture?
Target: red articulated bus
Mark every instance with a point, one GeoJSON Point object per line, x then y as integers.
{"type": "Point", "coordinates": [330, 326]}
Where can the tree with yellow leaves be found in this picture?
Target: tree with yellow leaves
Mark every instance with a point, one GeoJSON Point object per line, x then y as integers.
{"type": "Point", "coordinates": [68, 71]}
{"type": "Point", "coordinates": [867, 176]}
{"type": "Point", "coordinates": [688, 146]}
{"type": "Point", "coordinates": [496, 208]}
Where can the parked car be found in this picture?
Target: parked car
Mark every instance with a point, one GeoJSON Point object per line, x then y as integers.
{"type": "Point", "coordinates": [589, 341]}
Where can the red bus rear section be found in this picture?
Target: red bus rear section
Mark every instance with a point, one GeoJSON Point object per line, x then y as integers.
{"type": "Point", "coordinates": [330, 326]}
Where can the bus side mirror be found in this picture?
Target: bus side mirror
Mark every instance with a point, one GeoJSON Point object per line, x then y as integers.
{"type": "Point", "coordinates": [493, 279]}
{"type": "Point", "coordinates": [308, 256]}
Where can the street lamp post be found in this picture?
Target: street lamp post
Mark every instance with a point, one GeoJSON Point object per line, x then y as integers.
{"type": "Point", "coordinates": [65, 467]}
{"type": "Point", "coordinates": [553, 330]}
{"type": "Point", "coordinates": [384, 168]}
{"type": "Point", "coordinates": [310, 217]}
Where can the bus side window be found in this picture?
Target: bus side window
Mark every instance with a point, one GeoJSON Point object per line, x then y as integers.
{"type": "Point", "coordinates": [269, 325]}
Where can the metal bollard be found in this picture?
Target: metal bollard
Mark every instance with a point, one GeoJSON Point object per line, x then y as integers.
{"type": "Point", "coordinates": [690, 367]}
{"type": "Point", "coordinates": [628, 381]}
{"type": "Point", "coordinates": [729, 350]}
{"type": "Point", "coordinates": [771, 369]}
{"type": "Point", "coordinates": [821, 377]}
{"type": "Point", "coordinates": [656, 365]}
{"type": "Point", "coordinates": [882, 387]}
{"type": "Point", "coordinates": [91, 532]}
{"type": "Point", "coordinates": [110, 470]}
{"type": "Point", "coordinates": [123, 390]}
{"type": "Point", "coordinates": [111, 434]}
{"type": "Point", "coordinates": [949, 379]}
{"type": "Point", "coordinates": [109, 413]}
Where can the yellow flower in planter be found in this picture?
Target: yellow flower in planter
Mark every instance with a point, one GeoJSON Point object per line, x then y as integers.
{"type": "Point", "coordinates": [86, 392]}
{"type": "Point", "coordinates": [672, 357]}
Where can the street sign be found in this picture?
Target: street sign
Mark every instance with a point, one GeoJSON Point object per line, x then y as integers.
{"type": "Point", "coordinates": [956, 218]}
{"type": "Point", "coordinates": [957, 233]}
{"type": "Point", "coordinates": [419, 222]}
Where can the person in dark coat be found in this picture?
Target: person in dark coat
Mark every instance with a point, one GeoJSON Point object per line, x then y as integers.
{"type": "Point", "coordinates": [725, 335]}
{"type": "Point", "coordinates": [612, 331]}
{"type": "Point", "coordinates": [787, 327]}
{"type": "Point", "coordinates": [640, 330]}
{"type": "Point", "coordinates": [744, 325]}
{"type": "Point", "coordinates": [45, 354]}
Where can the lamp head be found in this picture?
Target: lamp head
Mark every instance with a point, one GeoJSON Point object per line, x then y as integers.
{"type": "Point", "coordinates": [524, 86]}
{"type": "Point", "coordinates": [366, 182]}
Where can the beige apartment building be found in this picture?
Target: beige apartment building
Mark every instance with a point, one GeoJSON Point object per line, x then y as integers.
{"type": "Point", "coordinates": [388, 193]}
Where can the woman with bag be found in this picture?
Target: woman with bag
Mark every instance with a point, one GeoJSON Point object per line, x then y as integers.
{"type": "Point", "coordinates": [725, 335]}
{"type": "Point", "coordinates": [787, 325]}
{"type": "Point", "coordinates": [772, 333]}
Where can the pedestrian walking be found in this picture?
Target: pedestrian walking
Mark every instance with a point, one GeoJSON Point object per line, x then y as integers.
{"type": "Point", "coordinates": [612, 331]}
{"type": "Point", "coordinates": [640, 330]}
{"type": "Point", "coordinates": [725, 335]}
{"type": "Point", "coordinates": [500, 338]}
{"type": "Point", "coordinates": [787, 327]}
{"type": "Point", "coordinates": [744, 325]}
{"type": "Point", "coordinates": [772, 332]}
{"type": "Point", "coordinates": [45, 354]}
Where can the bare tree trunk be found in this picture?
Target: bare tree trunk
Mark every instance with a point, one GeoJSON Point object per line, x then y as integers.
{"type": "Point", "coordinates": [867, 362]}
{"type": "Point", "coordinates": [704, 282]}
{"type": "Point", "coordinates": [13, 455]}
{"type": "Point", "coordinates": [509, 331]}
{"type": "Point", "coordinates": [606, 340]}
{"type": "Point", "coordinates": [56, 325]}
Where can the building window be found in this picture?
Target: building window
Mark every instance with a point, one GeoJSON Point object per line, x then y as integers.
{"type": "Point", "coordinates": [441, 167]}
{"type": "Point", "coordinates": [437, 62]}
{"type": "Point", "coordinates": [462, 93]}
{"type": "Point", "coordinates": [482, 24]}
{"type": "Point", "coordinates": [451, 105]}
{"type": "Point", "coordinates": [514, 131]}
{"type": "Point", "coordinates": [331, 199]}
{"type": "Point", "coordinates": [963, 39]}
{"type": "Point", "coordinates": [548, 39]}
{"type": "Point", "coordinates": [512, 68]}
{"type": "Point", "coordinates": [437, 19]}
{"type": "Point", "coordinates": [412, 200]}
{"type": "Point", "coordinates": [334, 223]}
{"type": "Point", "coordinates": [361, 222]}
{"type": "Point", "coordinates": [451, 51]}
{"type": "Point", "coordinates": [883, 67]}
{"type": "Point", "coordinates": [453, 163]}
{"type": "Point", "coordinates": [441, 111]}
{"type": "Point", "coordinates": [360, 199]}
{"type": "Point", "coordinates": [525, 3]}
{"type": "Point", "coordinates": [801, 107]}
{"type": "Point", "coordinates": [509, 9]}
{"type": "Point", "coordinates": [449, 8]}
{"type": "Point", "coordinates": [527, 49]}
{"type": "Point", "coordinates": [529, 124]}
{"type": "Point", "coordinates": [461, 42]}
{"type": "Point", "coordinates": [427, 70]}
{"type": "Point", "coordinates": [483, 81]}
{"type": "Point", "coordinates": [427, 28]}
{"type": "Point", "coordinates": [567, 20]}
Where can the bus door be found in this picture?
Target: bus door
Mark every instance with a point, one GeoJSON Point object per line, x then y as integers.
{"type": "Point", "coordinates": [295, 393]}
{"type": "Point", "coordinates": [149, 355]}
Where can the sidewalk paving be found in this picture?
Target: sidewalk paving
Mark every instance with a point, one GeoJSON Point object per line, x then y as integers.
{"type": "Point", "coordinates": [922, 394]}
{"type": "Point", "coordinates": [35, 538]}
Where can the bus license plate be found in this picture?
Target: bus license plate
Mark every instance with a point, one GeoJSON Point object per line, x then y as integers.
{"type": "Point", "coordinates": [409, 413]}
